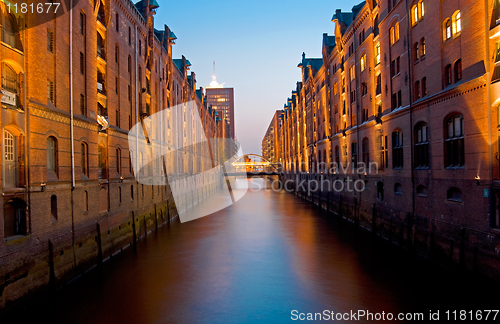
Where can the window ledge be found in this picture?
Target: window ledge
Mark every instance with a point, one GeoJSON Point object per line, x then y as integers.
{"type": "Point", "coordinates": [455, 168]}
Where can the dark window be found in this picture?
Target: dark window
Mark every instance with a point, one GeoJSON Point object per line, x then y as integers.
{"type": "Point", "coordinates": [398, 189]}
{"type": "Point", "coordinates": [421, 146]}
{"type": "Point", "coordinates": [129, 36]}
{"type": "Point", "coordinates": [366, 151]}
{"type": "Point", "coordinates": [384, 153]}
{"type": "Point", "coordinates": [422, 191]}
{"type": "Point", "coordinates": [83, 108]}
{"type": "Point", "coordinates": [424, 87]}
{"type": "Point", "coordinates": [379, 84]}
{"type": "Point", "coordinates": [117, 22]}
{"type": "Point", "coordinates": [53, 206]}
{"type": "Point", "coordinates": [380, 191]}
{"type": "Point", "coordinates": [354, 155]}
{"type": "Point", "coordinates": [132, 192]}
{"type": "Point", "coordinates": [82, 23]}
{"type": "Point", "coordinates": [116, 85]}
{"type": "Point", "coordinates": [454, 142]}
{"type": "Point", "coordinates": [84, 152]}
{"type": "Point", "coordinates": [118, 161]}
{"type": "Point", "coordinates": [50, 41]}
{"type": "Point", "coordinates": [458, 70]}
{"type": "Point", "coordinates": [422, 47]}
{"type": "Point", "coordinates": [52, 162]}
{"type": "Point", "coordinates": [397, 149]}
{"type": "Point", "coordinates": [337, 155]}
{"type": "Point", "coordinates": [454, 194]}
{"type": "Point", "coordinates": [82, 63]}
{"type": "Point", "coordinates": [375, 26]}
{"type": "Point", "coordinates": [14, 217]}
{"type": "Point", "coordinates": [417, 90]}
{"type": "Point", "coordinates": [117, 53]}
{"type": "Point", "coordinates": [447, 75]}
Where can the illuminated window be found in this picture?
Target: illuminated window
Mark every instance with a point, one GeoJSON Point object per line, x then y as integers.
{"type": "Point", "coordinates": [363, 62]}
{"type": "Point", "coordinates": [377, 54]}
{"type": "Point", "coordinates": [421, 9]}
{"type": "Point", "coordinates": [422, 47]}
{"type": "Point", "coordinates": [457, 23]}
{"type": "Point", "coordinates": [394, 33]}
{"type": "Point", "coordinates": [414, 15]}
{"type": "Point", "coordinates": [352, 73]}
{"type": "Point", "coordinates": [447, 29]}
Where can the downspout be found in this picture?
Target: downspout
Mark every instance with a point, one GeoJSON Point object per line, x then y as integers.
{"type": "Point", "coordinates": [136, 120]}
{"type": "Point", "coordinates": [488, 106]}
{"type": "Point", "coordinates": [27, 132]}
{"type": "Point", "coordinates": [71, 130]}
{"type": "Point", "coordinates": [410, 87]}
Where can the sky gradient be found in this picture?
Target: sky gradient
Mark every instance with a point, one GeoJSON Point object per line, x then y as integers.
{"type": "Point", "coordinates": [256, 46]}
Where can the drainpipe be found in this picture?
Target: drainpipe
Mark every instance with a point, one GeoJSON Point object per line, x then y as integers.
{"type": "Point", "coordinates": [71, 98]}
{"type": "Point", "coordinates": [410, 87]}
{"type": "Point", "coordinates": [27, 132]}
{"type": "Point", "coordinates": [488, 106]}
{"type": "Point", "coordinates": [136, 120]}
{"type": "Point", "coordinates": [71, 130]}
{"type": "Point", "coordinates": [488, 91]}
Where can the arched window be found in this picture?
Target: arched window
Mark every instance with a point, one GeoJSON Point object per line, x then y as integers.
{"type": "Point", "coordinates": [52, 162]}
{"type": "Point", "coordinates": [375, 26]}
{"type": "Point", "coordinates": [422, 47]}
{"type": "Point", "coordinates": [397, 149]}
{"type": "Point", "coordinates": [414, 14]}
{"type": "Point", "coordinates": [380, 191]}
{"type": "Point", "coordinates": [421, 191]}
{"type": "Point", "coordinates": [448, 78]}
{"type": "Point", "coordinates": [100, 47]}
{"type": "Point", "coordinates": [421, 9]}
{"type": "Point", "coordinates": [454, 194]}
{"type": "Point", "coordinates": [14, 217]}
{"type": "Point", "coordinates": [9, 79]}
{"type": "Point", "coordinates": [101, 161]}
{"type": "Point", "coordinates": [118, 161]}
{"type": "Point", "coordinates": [84, 152]}
{"type": "Point", "coordinates": [416, 49]}
{"type": "Point", "coordinates": [454, 141]}
{"type": "Point", "coordinates": [458, 70]}
{"type": "Point", "coordinates": [447, 29]}
{"type": "Point", "coordinates": [456, 23]}
{"type": "Point", "coordinates": [354, 155]}
{"type": "Point", "coordinates": [101, 13]}
{"type": "Point", "coordinates": [394, 33]}
{"type": "Point", "coordinates": [10, 176]}
{"type": "Point", "coordinates": [421, 146]}
{"type": "Point", "coordinates": [398, 189]}
{"type": "Point", "coordinates": [363, 62]}
{"type": "Point", "coordinates": [366, 151]}
{"type": "Point", "coordinates": [53, 207]}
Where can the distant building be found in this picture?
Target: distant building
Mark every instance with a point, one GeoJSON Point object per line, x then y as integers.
{"type": "Point", "coordinates": [271, 144]}
{"type": "Point", "coordinates": [222, 101]}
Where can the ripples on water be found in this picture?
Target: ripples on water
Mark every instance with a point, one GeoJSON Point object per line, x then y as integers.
{"type": "Point", "coordinates": [255, 262]}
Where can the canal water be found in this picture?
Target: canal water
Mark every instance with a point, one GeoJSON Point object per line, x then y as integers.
{"type": "Point", "coordinates": [255, 262]}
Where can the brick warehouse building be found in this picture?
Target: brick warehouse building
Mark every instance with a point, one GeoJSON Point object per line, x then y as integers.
{"type": "Point", "coordinates": [70, 198]}
{"type": "Point", "coordinates": [412, 86]}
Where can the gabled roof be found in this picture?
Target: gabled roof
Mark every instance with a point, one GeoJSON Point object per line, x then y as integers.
{"type": "Point", "coordinates": [328, 43]}
{"type": "Point", "coordinates": [178, 64]}
{"type": "Point", "coordinates": [345, 19]}
{"type": "Point", "coordinates": [310, 63]}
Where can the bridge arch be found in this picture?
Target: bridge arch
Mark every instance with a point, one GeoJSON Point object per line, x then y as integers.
{"type": "Point", "coordinates": [273, 165]}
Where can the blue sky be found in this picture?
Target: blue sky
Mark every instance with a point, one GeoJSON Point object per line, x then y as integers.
{"type": "Point", "coordinates": [256, 45]}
